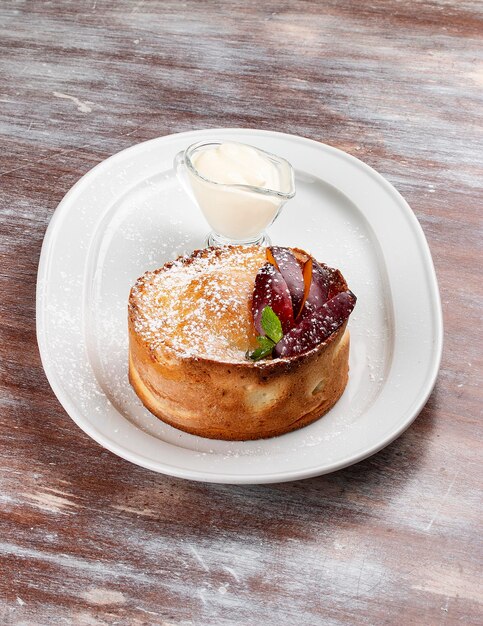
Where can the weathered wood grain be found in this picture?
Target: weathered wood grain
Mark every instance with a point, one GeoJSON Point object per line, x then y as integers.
{"type": "Point", "coordinates": [87, 538]}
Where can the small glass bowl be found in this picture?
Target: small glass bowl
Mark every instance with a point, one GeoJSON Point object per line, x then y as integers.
{"type": "Point", "coordinates": [238, 214]}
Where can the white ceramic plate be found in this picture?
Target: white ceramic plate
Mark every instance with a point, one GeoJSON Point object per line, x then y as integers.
{"type": "Point", "coordinates": [129, 214]}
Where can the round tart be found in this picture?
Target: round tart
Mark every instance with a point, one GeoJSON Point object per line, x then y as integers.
{"type": "Point", "coordinates": [193, 328]}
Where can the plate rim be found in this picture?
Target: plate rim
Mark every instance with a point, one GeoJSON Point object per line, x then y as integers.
{"type": "Point", "coordinates": [219, 477]}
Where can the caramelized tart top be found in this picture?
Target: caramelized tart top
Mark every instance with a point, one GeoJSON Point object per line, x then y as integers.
{"type": "Point", "coordinates": [238, 303]}
{"type": "Point", "coordinates": [199, 305]}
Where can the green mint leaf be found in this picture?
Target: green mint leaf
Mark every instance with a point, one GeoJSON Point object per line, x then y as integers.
{"type": "Point", "coordinates": [265, 349]}
{"type": "Point", "coordinates": [265, 343]}
{"type": "Point", "coordinates": [271, 324]}
{"type": "Point", "coordinates": [260, 353]}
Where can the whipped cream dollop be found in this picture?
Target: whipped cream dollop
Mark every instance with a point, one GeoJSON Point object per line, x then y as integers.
{"type": "Point", "coordinates": [237, 187]}
{"type": "Point", "coordinates": [237, 164]}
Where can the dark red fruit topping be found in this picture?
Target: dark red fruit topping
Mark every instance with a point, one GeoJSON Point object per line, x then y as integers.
{"type": "Point", "coordinates": [319, 290]}
{"type": "Point", "coordinates": [310, 300]}
{"type": "Point", "coordinates": [315, 329]}
{"type": "Point", "coordinates": [307, 274]}
{"type": "Point", "coordinates": [271, 290]}
{"type": "Point", "coordinates": [291, 271]}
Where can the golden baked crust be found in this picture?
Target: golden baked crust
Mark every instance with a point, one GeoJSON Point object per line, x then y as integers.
{"type": "Point", "coordinates": [189, 328]}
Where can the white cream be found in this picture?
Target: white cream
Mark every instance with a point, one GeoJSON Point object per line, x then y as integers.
{"type": "Point", "coordinates": [233, 212]}
{"type": "Point", "coordinates": [237, 164]}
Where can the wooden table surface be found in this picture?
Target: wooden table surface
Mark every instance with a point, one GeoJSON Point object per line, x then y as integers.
{"type": "Point", "coordinates": [86, 537]}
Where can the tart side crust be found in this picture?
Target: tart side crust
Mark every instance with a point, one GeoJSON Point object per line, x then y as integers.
{"type": "Point", "coordinates": [229, 402]}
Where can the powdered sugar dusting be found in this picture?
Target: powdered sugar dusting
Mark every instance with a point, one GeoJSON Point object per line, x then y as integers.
{"type": "Point", "coordinates": [198, 305]}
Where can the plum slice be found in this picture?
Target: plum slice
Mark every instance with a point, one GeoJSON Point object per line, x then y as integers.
{"type": "Point", "coordinates": [271, 290]}
{"type": "Point", "coordinates": [319, 290]}
{"type": "Point", "coordinates": [307, 275]}
{"type": "Point", "coordinates": [271, 258]}
{"type": "Point", "coordinates": [291, 271]}
{"type": "Point", "coordinates": [316, 328]}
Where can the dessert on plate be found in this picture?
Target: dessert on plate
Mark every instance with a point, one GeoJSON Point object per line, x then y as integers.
{"type": "Point", "coordinates": [240, 342]}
